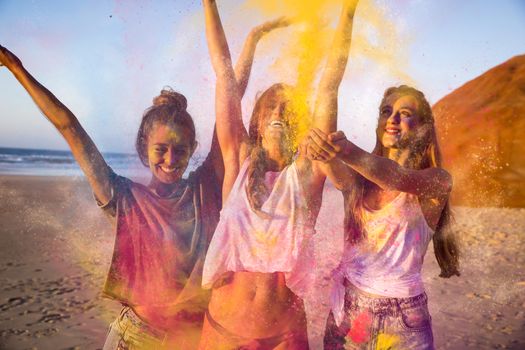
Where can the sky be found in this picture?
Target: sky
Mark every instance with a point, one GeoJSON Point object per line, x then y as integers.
{"type": "Point", "coordinates": [107, 60]}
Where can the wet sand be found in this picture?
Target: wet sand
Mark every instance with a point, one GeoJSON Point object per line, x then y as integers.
{"type": "Point", "coordinates": [55, 246]}
{"type": "Point", "coordinates": [55, 250]}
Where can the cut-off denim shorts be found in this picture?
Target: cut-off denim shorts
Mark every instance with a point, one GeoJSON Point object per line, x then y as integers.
{"type": "Point", "coordinates": [129, 332]}
{"type": "Point", "coordinates": [374, 323]}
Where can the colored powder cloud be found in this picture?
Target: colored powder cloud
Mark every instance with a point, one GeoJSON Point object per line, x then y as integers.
{"type": "Point", "coordinates": [374, 36]}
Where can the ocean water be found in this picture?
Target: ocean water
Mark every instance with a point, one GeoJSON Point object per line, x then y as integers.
{"type": "Point", "coordinates": [42, 162]}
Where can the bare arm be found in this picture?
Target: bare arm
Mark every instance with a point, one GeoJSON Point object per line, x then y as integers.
{"type": "Point", "coordinates": [231, 133]}
{"type": "Point", "coordinates": [325, 108]}
{"type": "Point", "coordinates": [84, 150]}
{"type": "Point", "coordinates": [387, 174]}
{"type": "Point", "coordinates": [243, 70]}
{"type": "Point", "coordinates": [340, 174]}
{"type": "Point", "coordinates": [244, 63]}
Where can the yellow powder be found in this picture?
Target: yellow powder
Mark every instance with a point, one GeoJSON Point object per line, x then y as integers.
{"type": "Point", "coordinates": [387, 341]}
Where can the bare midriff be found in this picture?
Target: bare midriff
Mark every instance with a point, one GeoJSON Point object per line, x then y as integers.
{"type": "Point", "coordinates": [257, 305]}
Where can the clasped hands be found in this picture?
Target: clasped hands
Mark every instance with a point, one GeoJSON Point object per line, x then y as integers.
{"type": "Point", "coordinates": [323, 147]}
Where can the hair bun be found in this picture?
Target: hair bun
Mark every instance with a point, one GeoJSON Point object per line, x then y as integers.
{"type": "Point", "coordinates": [170, 97]}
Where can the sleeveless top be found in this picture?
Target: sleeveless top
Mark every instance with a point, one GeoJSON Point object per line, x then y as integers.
{"type": "Point", "coordinates": [281, 242]}
{"type": "Point", "coordinates": [161, 243]}
{"type": "Point", "coordinates": [388, 261]}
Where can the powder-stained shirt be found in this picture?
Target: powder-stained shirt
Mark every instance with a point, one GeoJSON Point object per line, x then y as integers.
{"type": "Point", "coordinates": [388, 262]}
{"type": "Point", "coordinates": [161, 244]}
{"type": "Point", "coordinates": [282, 241]}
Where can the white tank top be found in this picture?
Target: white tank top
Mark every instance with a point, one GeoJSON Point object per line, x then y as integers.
{"type": "Point", "coordinates": [283, 242]}
{"type": "Point", "coordinates": [388, 261]}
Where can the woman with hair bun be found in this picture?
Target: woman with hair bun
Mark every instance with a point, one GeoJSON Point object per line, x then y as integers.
{"type": "Point", "coordinates": [163, 228]}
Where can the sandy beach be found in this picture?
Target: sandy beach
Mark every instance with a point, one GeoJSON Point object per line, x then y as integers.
{"type": "Point", "coordinates": [56, 245]}
{"type": "Point", "coordinates": [55, 250]}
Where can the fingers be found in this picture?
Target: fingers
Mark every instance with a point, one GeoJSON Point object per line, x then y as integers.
{"type": "Point", "coordinates": [337, 136]}
{"type": "Point", "coordinates": [314, 153]}
{"type": "Point", "coordinates": [8, 59]}
{"type": "Point", "coordinates": [280, 22]}
{"type": "Point", "coordinates": [311, 149]}
{"type": "Point", "coordinates": [317, 152]}
{"type": "Point", "coordinates": [283, 21]}
{"type": "Point", "coordinates": [319, 148]}
{"type": "Point", "coordinates": [323, 140]}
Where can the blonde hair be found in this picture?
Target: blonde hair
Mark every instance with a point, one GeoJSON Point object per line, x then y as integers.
{"type": "Point", "coordinates": [428, 155]}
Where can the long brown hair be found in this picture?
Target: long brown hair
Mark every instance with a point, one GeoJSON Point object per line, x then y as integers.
{"type": "Point", "coordinates": [428, 155]}
{"type": "Point", "coordinates": [256, 189]}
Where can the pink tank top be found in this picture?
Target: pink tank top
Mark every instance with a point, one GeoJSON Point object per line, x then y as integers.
{"type": "Point", "coordinates": [388, 262]}
{"type": "Point", "coordinates": [245, 241]}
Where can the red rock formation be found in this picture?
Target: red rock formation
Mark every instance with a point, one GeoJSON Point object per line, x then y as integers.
{"type": "Point", "coordinates": [481, 127]}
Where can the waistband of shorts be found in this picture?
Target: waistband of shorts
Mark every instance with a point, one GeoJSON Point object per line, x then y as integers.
{"type": "Point", "coordinates": [354, 298]}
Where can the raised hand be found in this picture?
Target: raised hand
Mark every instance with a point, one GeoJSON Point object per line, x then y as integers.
{"type": "Point", "coordinates": [231, 132]}
{"type": "Point", "coordinates": [8, 59]}
{"type": "Point", "coordinates": [244, 64]}
{"type": "Point", "coordinates": [84, 150]}
{"type": "Point", "coordinates": [268, 26]}
{"type": "Point", "coordinates": [325, 106]}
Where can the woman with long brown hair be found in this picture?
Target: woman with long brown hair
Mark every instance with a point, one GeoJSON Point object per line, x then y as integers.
{"type": "Point", "coordinates": [163, 228]}
{"type": "Point", "coordinates": [396, 202]}
{"type": "Point", "coordinates": [255, 261]}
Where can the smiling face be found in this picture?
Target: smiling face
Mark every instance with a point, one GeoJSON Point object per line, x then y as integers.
{"type": "Point", "coordinates": [169, 148]}
{"type": "Point", "coordinates": [399, 121]}
{"type": "Point", "coordinates": [274, 127]}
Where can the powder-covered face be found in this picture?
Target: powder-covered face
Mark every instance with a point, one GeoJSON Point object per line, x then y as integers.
{"type": "Point", "coordinates": [399, 121]}
{"type": "Point", "coordinates": [274, 127]}
{"type": "Point", "coordinates": [169, 151]}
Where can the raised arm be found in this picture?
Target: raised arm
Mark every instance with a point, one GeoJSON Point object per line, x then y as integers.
{"type": "Point", "coordinates": [244, 63]}
{"type": "Point", "coordinates": [387, 174]}
{"type": "Point", "coordinates": [84, 150]}
{"type": "Point", "coordinates": [231, 133]}
{"type": "Point", "coordinates": [243, 69]}
{"type": "Point", "coordinates": [325, 108]}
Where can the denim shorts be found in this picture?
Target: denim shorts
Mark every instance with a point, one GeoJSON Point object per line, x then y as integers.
{"type": "Point", "coordinates": [381, 323]}
{"type": "Point", "coordinates": [129, 332]}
